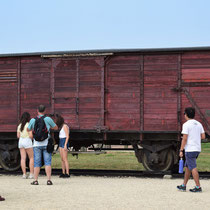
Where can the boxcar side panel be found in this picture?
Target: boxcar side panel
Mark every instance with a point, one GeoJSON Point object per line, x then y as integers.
{"type": "Point", "coordinates": [8, 94]}
{"type": "Point", "coordinates": [91, 95]}
{"type": "Point", "coordinates": [35, 84]}
{"type": "Point", "coordinates": [65, 90]}
{"type": "Point", "coordinates": [195, 79]}
{"type": "Point", "coordinates": [160, 101]}
{"type": "Point", "coordinates": [123, 93]}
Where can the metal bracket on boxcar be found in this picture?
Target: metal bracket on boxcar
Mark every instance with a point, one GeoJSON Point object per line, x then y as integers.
{"type": "Point", "coordinates": [100, 129]}
{"type": "Point", "coordinates": [156, 148]}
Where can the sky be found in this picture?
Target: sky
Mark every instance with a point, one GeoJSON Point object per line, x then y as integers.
{"type": "Point", "coordinates": [65, 25]}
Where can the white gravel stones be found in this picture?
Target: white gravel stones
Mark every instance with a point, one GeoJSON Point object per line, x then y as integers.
{"type": "Point", "coordinates": [167, 177]}
{"type": "Point", "coordinates": [101, 193]}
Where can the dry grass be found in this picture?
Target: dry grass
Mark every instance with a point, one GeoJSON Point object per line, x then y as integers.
{"type": "Point", "coordinates": [121, 160]}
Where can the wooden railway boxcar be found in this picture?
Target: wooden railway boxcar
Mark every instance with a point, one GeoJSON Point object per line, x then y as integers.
{"type": "Point", "coordinates": [110, 97]}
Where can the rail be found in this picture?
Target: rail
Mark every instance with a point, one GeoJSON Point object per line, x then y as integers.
{"type": "Point", "coordinates": [111, 173]}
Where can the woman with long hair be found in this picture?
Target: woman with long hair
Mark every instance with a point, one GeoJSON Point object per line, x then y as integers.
{"type": "Point", "coordinates": [25, 144]}
{"type": "Point", "coordinates": [63, 145]}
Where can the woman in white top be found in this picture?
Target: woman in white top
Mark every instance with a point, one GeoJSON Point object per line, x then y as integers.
{"type": "Point", "coordinates": [25, 144]}
{"type": "Point", "coordinates": [63, 145]}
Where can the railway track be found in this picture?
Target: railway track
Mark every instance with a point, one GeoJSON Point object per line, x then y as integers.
{"type": "Point", "coordinates": [112, 173]}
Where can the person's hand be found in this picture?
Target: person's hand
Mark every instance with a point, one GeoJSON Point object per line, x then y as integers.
{"type": "Point", "coordinates": [65, 147]}
{"type": "Point", "coordinates": [181, 154]}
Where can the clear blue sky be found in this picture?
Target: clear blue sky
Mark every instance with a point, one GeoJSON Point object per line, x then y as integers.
{"type": "Point", "coordinates": [59, 25]}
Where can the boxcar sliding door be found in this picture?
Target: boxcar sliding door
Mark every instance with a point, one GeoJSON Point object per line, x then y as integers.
{"type": "Point", "coordinates": [123, 79]}
{"type": "Point", "coordinates": [91, 93]}
{"type": "Point", "coordinates": [160, 99]}
{"type": "Point", "coordinates": [78, 91]}
{"type": "Point", "coordinates": [65, 95]}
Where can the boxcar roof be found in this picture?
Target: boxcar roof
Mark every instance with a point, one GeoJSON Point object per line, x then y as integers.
{"type": "Point", "coordinates": [105, 51]}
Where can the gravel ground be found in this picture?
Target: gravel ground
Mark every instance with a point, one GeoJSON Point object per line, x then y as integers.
{"type": "Point", "coordinates": [101, 193]}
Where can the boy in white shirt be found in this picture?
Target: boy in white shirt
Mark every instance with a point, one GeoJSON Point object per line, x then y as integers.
{"type": "Point", "coordinates": [192, 132]}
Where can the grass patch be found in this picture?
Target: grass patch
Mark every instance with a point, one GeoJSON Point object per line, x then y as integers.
{"type": "Point", "coordinates": [121, 160]}
{"type": "Point", "coordinates": [203, 161]}
{"type": "Point", "coordinates": [108, 161]}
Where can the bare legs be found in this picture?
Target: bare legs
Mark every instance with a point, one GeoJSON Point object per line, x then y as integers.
{"type": "Point", "coordinates": [23, 154]}
{"type": "Point", "coordinates": [64, 160]}
{"type": "Point", "coordinates": [48, 172]}
{"type": "Point", "coordinates": [23, 160]}
{"type": "Point", "coordinates": [30, 154]}
{"type": "Point", "coordinates": [194, 174]}
{"type": "Point", "coordinates": [36, 172]}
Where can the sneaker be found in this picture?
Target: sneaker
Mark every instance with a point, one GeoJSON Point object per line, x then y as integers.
{"type": "Point", "coordinates": [196, 189]}
{"type": "Point", "coordinates": [181, 188]}
{"type": "Point", "coordinates": [2, 199]}
{"type": "Point", "coordinates": [62, 176]}
{"type": "Point", "coordinates": [24, 176]}
{"type": "Point", "coordinates": [31, 176]}
{"type": "Point", "coordinates": [67, 176]}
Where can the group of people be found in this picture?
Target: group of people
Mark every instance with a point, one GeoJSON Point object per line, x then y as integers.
{"type": "Point", "coordinates": [192, 131]}
{"type": "Point", "coordinates": [33, 137]}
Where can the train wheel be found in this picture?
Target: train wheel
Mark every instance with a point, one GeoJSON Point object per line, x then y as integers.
{"type": "Point", "coordinates": [10, 160]}
{"type": "Point", "coordinates": [161, 161]}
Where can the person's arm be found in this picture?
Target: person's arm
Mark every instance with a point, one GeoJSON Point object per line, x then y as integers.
{"type": "Point", "coordinates": [31, 124]}
{"type": "Point", "coordinates": [18, 134]}
{"type": "Point", "coordinates": [30, 134]}
{"type": "Point", "coordinates": [203, 136]}
{"type": "Point", "coordinates": [66, 130]}
{"type": "Point", "coordinates": [53, 126]}
{"type": "Point", "coordinates": [184, 142]}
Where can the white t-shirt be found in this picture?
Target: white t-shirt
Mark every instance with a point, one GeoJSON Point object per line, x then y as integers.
{"type": "Point", "coordinates": [193, 129]}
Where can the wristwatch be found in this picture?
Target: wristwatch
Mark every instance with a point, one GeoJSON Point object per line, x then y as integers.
{"type": "Point", "coordinates": [181, 150]}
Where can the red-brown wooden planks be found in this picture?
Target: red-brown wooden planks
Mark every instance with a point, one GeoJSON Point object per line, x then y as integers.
{"type": "Point", "coordinates": [160, 102]}
{"type": "Point", "coordinates": [123, 96]}
{"type": "Point", "coordinates": [77, 87]}
{"type": "Point", "coordinates": [35, 84]}
{"type": "Point", "coordinates": [8, 94]}
{"type": "Point", "coordinates": [65, 73]}
{"type": "Point", "coordinates": [196, 67]}
{"type": "Point", "coordinates": [90, 93]}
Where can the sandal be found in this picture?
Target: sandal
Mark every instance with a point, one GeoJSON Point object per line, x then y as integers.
{"type": "Point", "coordinates": [49, 182]}
{"type": "Point", "coordinates": [35, 182]}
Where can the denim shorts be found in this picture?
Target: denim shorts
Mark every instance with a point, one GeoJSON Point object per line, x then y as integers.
{"type": "Point", "coordinates": [62, 142]}
{"type": "Point", "coordinates": [190, 161]}
{"type": "Point", "coordinates": [39, 153]}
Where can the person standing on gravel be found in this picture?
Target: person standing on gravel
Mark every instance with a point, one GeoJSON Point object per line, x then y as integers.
{"type": "Point", "coordinates": [192, 132]}
{"type": "Point", "coordinates": [63, 145]}
{"type": "Point", "coordinates": [41, 126]}
{"type": "Point", "coordinates": [25, 145]}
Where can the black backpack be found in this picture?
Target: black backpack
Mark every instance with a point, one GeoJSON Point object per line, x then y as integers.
{"type": "Point", "coordinates": [40, 129]}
